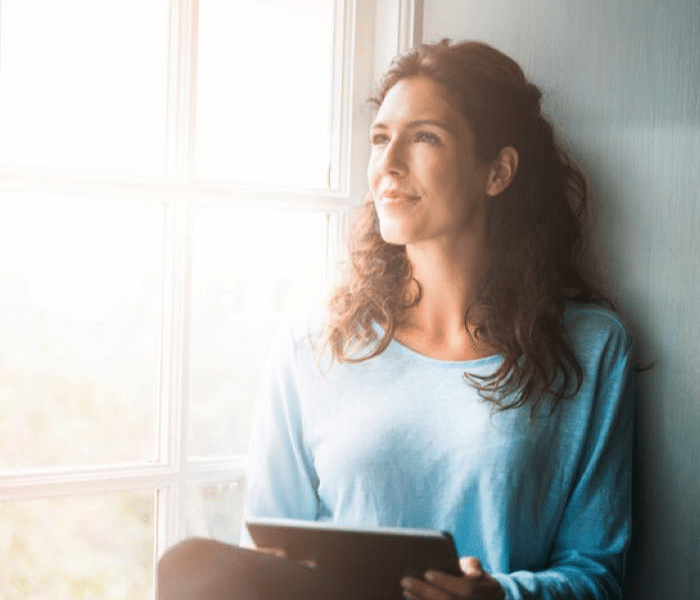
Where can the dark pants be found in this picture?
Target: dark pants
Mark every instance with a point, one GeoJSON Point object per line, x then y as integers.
{"type": "Point", "coordinates": [202, 569]}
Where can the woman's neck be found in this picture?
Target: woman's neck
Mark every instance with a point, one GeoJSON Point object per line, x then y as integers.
{"type": "Point", "coordinates": [436, 326]}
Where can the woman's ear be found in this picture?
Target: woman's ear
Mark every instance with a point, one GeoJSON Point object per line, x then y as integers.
{"type": "Point", "coordinates": [502, 171]}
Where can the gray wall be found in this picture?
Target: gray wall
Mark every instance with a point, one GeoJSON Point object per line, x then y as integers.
{"type": "Point", "coordinates": [621, 81]}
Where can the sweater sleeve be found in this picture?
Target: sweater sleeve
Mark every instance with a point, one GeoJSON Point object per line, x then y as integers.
{"type": "Point", "coordinates": [587, 557]}
{"type": "Point", "coordinates": [281, 478]}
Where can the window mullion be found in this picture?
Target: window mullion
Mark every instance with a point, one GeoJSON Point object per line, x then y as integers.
{"type": "Point", "coordinates": [67, 482]}
{"type": "Point", "coordinates": [176, 324]}
{"type": "Point", "coordinates": [182, 88]}
{"type": "Point", "coordinates": [174, 390]}
{"type": "Point", "coordinates": [163, 190]}
{"type": "Point", "coordinates": [342, 66]}
{"type": "Point", "coordinates": [184, 311]}
{"type": "Point", "coordinates": [398, 26]}
{"type": "Point", "coordinates": [170, 413]}
{"type": "Point", "coordinates": [410, 24]}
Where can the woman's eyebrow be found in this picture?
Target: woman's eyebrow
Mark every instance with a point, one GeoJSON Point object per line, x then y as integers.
{"type": "Point", "coordinates": [418, 123]}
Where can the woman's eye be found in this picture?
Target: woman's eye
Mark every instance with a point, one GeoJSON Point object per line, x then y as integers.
{"type": "Point", "coordinates": [379, 138]}
{"type": "Point", "coordinates": [428, 138]}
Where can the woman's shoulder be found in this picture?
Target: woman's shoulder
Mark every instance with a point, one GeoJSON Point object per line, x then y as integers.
{"type": "Point", "coordinates": [593, 328]}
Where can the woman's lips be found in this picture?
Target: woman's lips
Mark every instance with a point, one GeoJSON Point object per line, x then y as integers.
{"type": "Point", "coordinates": [395, 197]}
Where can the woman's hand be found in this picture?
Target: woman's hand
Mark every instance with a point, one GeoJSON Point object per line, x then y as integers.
{"type": "Point", "coordinates": [475, 584]}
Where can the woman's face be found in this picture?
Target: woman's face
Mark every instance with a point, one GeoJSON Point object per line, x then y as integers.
{"type": "Point", "coordinates": [425, 178]}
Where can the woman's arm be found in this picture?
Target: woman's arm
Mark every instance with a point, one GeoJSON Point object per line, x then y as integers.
{"type": "Point", "coordinates": [587, 555]}
{"type": "Point", "coordinates": [282, 481]}
{"type": "Point", "coordinates": [587, 558]}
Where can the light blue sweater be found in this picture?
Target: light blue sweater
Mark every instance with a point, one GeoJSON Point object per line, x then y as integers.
{"type": "Point", "coordinates": [403, 440]}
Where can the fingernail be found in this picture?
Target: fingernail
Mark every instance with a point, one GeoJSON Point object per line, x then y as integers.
{"type": "Point", "coordinates": [430, 575]}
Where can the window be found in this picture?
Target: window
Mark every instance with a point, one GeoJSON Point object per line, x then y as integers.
{"type": "Point", "coordinates": [175, 181]}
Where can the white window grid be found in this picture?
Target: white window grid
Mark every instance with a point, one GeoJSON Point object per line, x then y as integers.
{"type": "Point", "coordinates": [367, 34]}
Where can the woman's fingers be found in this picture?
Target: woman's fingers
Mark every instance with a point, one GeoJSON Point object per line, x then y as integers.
{"type": "Point", "coordinates": [475, 584]}
{"type": "Point", "coordinates": [415, 589]}
{"type": "Point", "coordinates": [471, 566]}
{"type": "Point", "coordinates": [459, 585]}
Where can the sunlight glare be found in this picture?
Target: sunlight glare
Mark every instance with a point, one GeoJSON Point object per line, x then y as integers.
{"type": "Point", "coordinates": [83, 84]}
{"type": "Point", "coordinates": [264, 95]}
{"type": "Point", "coordinates": [80, 259]}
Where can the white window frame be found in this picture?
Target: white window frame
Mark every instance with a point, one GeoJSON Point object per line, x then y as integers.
{"type": "Point", "coordinates": [387, 27]}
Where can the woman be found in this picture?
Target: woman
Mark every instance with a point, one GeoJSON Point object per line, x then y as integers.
{"type": "Point", "coordinates": [476, 386]}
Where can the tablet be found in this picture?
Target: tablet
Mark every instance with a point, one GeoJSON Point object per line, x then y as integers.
{"type": "Point", "coordinates": [368, 562]}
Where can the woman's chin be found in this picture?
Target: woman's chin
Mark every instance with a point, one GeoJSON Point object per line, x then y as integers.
{"type": "Point", "coordinates": [395, 236]}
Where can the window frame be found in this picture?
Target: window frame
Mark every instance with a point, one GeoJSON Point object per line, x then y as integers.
{"type": "Point", "coordinates": [387, 27]}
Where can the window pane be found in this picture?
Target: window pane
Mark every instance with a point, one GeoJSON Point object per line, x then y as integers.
{"type": "Point", "coordinates": [252, 270]}
{"type": "Point", "coordinates": [83, 83]}
{"type": "Point", "coordinates": [264, 96]}
{"type": "Point", "coordinates": [80, 316]}
{"type": "Point", "coordinates": [216, 511]}
{"type": "Point", "coordinates": [78, 548]}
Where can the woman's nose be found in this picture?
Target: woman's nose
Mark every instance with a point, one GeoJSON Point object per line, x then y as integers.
{"type": "Point", "coordinates": [394, 159]}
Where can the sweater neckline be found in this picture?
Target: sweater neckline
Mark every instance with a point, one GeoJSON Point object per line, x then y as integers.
{"type": "Point", "coordinates": [404, 350]}
{"type": "Point", "coordinates": [475, 362]}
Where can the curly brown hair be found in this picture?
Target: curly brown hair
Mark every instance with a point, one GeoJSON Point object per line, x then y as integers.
{"type": "Point", "coordinates": [535, 237]}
